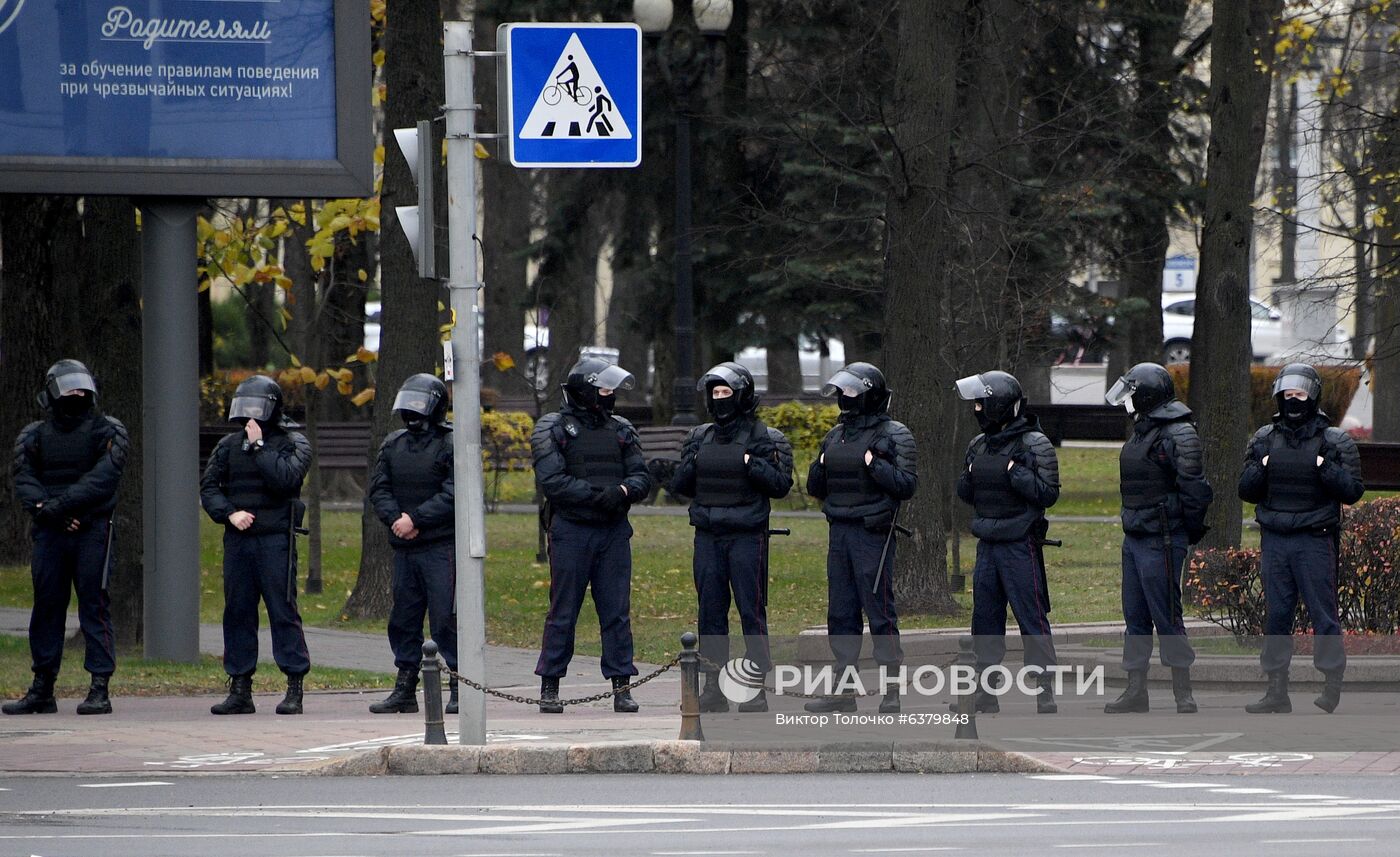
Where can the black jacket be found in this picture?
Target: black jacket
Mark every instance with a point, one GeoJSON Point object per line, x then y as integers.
{"type": "Point", "coordinates": [1036, 478]}
{"type": "Point", "coordinates": [769, 473]}
{"type": "Point", "coordinates": [570, 497]}
{"type": "Point", "coordinates": [1339, 474]}
{"type": "Point", "coordinates": [92, 493]}
{"type": "Point", "coordinates": [434, 516]}
{"type": "Point", "coordinates": [281, 463]}
{"type": "Point", "coordinates": [894, 468]}
{"type": "Point", "coordinates": [1176, 448]}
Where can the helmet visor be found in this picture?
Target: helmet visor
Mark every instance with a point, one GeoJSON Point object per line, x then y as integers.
{"type": "Point", "coordinates": [61, 385]}
{"type": "Point", "coordinates": [1119, 392]}
{"type": "Point", "coordinates": [845, 383]}
{"type": "Point", "coordinates": [250, 408]}
{"type": "Point", "coordinates": [613, 378]}
{"type": "Point", "coordinates": [1306, 383]}
{"type": "Point", "coordinates": [417, 401]}
{"type": "Point", "coordinates": [722, 375]}
{"type": "Point", "coordinates": [972, 388]}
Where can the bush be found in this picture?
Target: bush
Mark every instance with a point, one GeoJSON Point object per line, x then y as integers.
{"type": "Point", "coordinates": [1227, 589]}
{"type": "Point", "coordinates": [1339, 385]}
{"type": "Point", "coordinates": [803, 425]}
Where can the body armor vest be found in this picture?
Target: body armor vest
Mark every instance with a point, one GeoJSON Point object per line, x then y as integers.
{"type": "Point", "coordinates": [993, 496]}
{"type": "Point", "coordinates": [721, 476]}
{"type": "Point", "coordinates": [848, 480]}
{"type": "Point", "coordinates": [595, 455]}
{"type": "Point", "coordinates": [1294, 484]}
{"type": "Point", "coordinates": [1143, 483]}
{"type": "Point", "coordinates": [66, 456]}
{"type": "Point", "coordinates": [414, 478]}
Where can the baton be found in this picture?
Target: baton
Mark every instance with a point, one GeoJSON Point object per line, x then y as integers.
{"type": "Point", "coordinates": [107, 553]}
{"type": "Point", "coordinates": [884, 551]}
{"type": "Point", "coordinates": [1050, 543]}
{"type": "Point", "coordinates": [780, 532]}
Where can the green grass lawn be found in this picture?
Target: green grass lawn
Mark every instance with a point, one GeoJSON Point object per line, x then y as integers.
{"type": "Point", "coordinates": [137, 676]}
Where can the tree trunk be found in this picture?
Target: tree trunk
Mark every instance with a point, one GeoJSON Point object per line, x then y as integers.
{"type": "Point", "coordinates": [1242, 54]}
{"type": "Point", "coordinates": [784, 361]}
{"type": "Point", "coordinates": [408, 337]}
{"type": "Point", "coordinates": [919, 285]}
{"type": "Point", "coordinates": [1385, 359]}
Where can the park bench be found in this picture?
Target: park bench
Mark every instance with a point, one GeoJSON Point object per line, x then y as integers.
{"type": "Point", "coordinates": [661, 447]}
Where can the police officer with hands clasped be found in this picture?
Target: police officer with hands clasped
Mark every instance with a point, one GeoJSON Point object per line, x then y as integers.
{"type": "Point", "coordinates": [411, 492]}
{"type": "Point", "coordinates": [866, 467]}
{"type": "Point", "coordinates": [589, 467]}
{"type": "Point", "coordinates": [1299, 470]}
{"type": "Point", "coordinates": [732, 468]}
{"type": "Point", "coordinates": [1165, 498]}
{"type": "Point", "coordinates": [252, 485]}
{"type": "Point", "coordinates": [1011, 477]}
{"type": "Point", "coordinates": [66, 471]}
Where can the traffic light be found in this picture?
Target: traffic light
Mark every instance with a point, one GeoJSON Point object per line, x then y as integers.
{"type": "Point", "coordinates": [417, 220]}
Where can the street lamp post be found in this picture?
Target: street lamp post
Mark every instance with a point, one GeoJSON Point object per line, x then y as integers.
{"type": "Point", "coordinates": [682, 50]}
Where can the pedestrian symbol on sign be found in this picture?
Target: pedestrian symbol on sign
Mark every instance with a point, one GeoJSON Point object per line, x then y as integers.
{"type": "Point", "coordinates": [575, 102]}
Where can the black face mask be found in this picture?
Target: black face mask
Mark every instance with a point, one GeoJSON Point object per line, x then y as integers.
{"type": "Point", "coordinates": [416, 423]}
{"type": "Point", "coordinates": [849, 404]}
{"type": "Point", "coordinates": [985, 421]}
{"type": "Point", "coordinates": [606, 403]}
{"type": "Point", "coordinates": [724, 410]}
{"type": "Point", "coordinates": [72, 407]}
{"type": "Point", "coordinates": [1297, 410]}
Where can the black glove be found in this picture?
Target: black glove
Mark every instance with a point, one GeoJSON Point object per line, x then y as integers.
{"type": "Point", "coordinates": [50, 515]}
{"type": "Point", "coordinates": [613, 499]}
{"type": "Point", "coordinates": [1196, 533]}
{"type": "Point", "coordinates": [883, 448]}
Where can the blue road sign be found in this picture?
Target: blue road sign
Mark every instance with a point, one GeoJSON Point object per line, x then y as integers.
{"type": "Point", "coordinates": [574, 94]}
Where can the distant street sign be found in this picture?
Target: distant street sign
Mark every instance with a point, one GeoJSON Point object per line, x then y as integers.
{"type": "Point", "coordinates": [574, 94]}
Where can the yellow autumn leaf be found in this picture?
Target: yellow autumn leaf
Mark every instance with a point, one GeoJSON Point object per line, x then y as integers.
{"type": "Point", "coordinates": [363, 397]}
{"type": "Point", "coordinates": [481, 153]}
{"type": "Point", "coordinates": [379, 58]}
{"type": "Point", "coordinates": [344, 375]}
{"type": "Point", "coordinates": [296, 363]}
{"type": "Point", "coordinates": [362, 274]}
{"type": "Point", "coordinates": [308, 375]}
{"type": "Point", "coordinates": [323, 380]}
{"type": "Point", "coordinates": [364, 355]}
{"type": "Point", "coordinates": [342, 388]}
{"type": "Point", "coordinates": [503, 361]}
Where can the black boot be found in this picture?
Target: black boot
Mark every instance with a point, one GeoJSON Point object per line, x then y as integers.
{"type": "Point", "coordinates": [1045, 700]}
{"type": "Point", "coordinates": [403, 699]}
{"type": "Point", "coordinates": [451, 698]}
{"type": "Point", "coordinates": [982, 702]}
{"type": "Point", "coordinates": [845, 702]}
{"type": "Point", "coordinates": [1133, 699]}
{"type": "Point", "coordinates": [1275, 700]}
{"type": "Point", "coordinates": [889, 704]}
{"type": "Point", "coordinates": [758, 703]}
{"type": "Point", "coordinates": [291, 703]}
{"type": "Point", "coordinates": [711, 697]}
{"type": "Point", "coordinates": [1181, 689]}
{"type": "Point", "coordinates": [38, 699]}
{"type": "Point", "coordinates": [97, 702]}
{"type": "Point", "coordinates": [623, 703]}
{"type": "Point", "coordinates": [1331, 692]}
{"type": "Point", "coordinates": [240, 696]}
{"type": "Point", "coordinates": [549, 695]}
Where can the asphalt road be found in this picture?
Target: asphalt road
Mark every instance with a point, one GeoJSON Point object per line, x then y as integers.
{"type": "Point", "coordinates": [979, 814]}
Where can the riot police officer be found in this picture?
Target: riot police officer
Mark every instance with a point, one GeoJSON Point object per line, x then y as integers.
{"type": "Point", "coordinates": [590, 470]}
{"type": "Point", "coordinates": [1299, 470]}
{"type": "Point", "coordinates": [866, 467]}
{"type": "Point", "coordinates": [252, 485]}
{"type": "Point", "coordinates": [1011, 477]}
{"type": "Point", "coordinates": [732, 468]}
{"type": "Point", "coordinates": [66, 471]}
{"type": "Point", "coordinates": [411, 492]}
{"type": "Point", "coordinates": [1165, 497]}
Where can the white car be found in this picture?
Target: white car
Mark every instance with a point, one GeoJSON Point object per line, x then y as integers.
{"type": "Point", "coordinates": [1179, 319]}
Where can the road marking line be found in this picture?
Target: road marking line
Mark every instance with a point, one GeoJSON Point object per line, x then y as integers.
{"type": "Point", "coordinates": [925, 850]}
{"type": "Point", "coordinates": [123, 785]}
{"type": "Point", "coordinates": [702, 853]}
{"type": "Point", "coordinates": [1182, 785]}
{"type": "Point", "coordinates": [1108, 845]}
{"type": "Point", "coordinates": [1242, 791]}
{"type": "Point", "coordinates": [1068, 778]}
{"type": "Point", "coordinates": [1312, 797]}
{"type": "Point", "coordinates": [1304, 841]}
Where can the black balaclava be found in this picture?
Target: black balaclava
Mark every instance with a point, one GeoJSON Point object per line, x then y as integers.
{"type": "Point", "coordinates": [1298, 411]}
{"type": "Point", "coordinates": [72, 408]}
{"type": "Point", "coordinates": [416, 423]}
{"type": "Point", "coordinates": [606, 403]}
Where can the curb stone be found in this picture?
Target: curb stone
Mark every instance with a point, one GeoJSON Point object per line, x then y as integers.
{"type": "Point", "coordinates": [680, 757]}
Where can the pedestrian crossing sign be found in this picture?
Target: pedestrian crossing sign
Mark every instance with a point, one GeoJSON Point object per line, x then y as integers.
{"type": "Point", "coordinates": [573, 94]}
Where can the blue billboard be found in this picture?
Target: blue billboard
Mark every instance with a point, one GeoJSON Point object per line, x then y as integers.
{"type": "Point", "coordinates": [188, 87]}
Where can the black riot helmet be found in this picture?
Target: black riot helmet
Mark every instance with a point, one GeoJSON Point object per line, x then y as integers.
{"type": "Point", "coordinates": [424, 395]}
{"type": "Point", "coordinates": [67, 376]}
{"type": "Point", "coordinates": [860, 388]}
{"type": "Point", "coordinates": [735, 377]}
{"type": "Point", "coordinates": [999, 393]}
{"type": "Point", "coordinates": [1298, 376]}
{"type": "Point", "coordinates": [1145, 387]}
{"type": "Point", "coordinates": [257, 398]}
{"type": "Point", "coordinates": [588, 376]}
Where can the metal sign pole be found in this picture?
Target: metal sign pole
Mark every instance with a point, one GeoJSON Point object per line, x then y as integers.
{"type": "Point", "coordinates": [461, 107]}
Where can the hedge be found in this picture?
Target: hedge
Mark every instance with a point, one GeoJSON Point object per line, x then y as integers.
{"type": "Point", "coordinates": [1339, 385]}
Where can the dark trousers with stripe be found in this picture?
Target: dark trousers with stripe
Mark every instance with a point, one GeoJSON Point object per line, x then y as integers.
{"type": "Point", "coordinates": [1294, 566]}
{"type": "Point", "coordinates": [425, 584]}
{"type": "Point", "coordinates": [584, 557]}
{"type": "Point", "coordinates": [852, 564]}
{"type": "Point", "coordinates": [1152, 599]}
{"type": "Point", "coordinates": [64, 563]}
{"type": "Point", "coordinates": [735, 564]}
{"type": "Point", "coordinates": [255, 567]}
{"type": "Point", "coordinates": [1010, 574]}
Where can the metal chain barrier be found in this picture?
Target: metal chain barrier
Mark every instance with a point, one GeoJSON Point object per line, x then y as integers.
{"type": "Point", "coordinates": [527, 700]}
{"type": "Point", "coordinates": [711, 666]}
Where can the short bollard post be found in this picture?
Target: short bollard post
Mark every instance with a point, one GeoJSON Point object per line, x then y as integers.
{"type": "Point", "coordinates": [967, 702]}
{"type": "Point", "coordinates": [433, 731]}
{"type": "Point", "coordinates": [690, 689]}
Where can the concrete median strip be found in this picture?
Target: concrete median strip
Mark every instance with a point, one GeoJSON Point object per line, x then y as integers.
{"type": "Point", "coordinates": [678, 757]}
